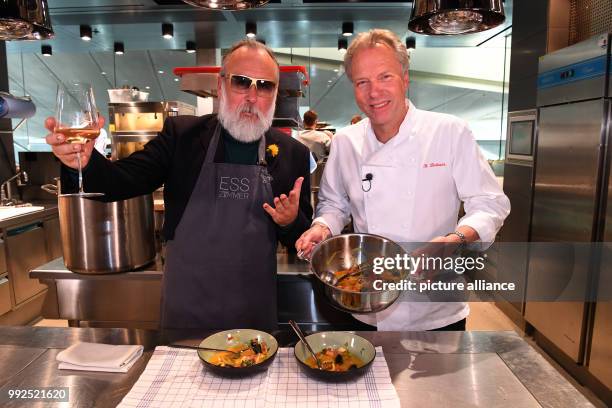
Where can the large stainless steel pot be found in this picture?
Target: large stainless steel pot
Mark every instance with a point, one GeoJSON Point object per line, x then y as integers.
{"type": "Point", "coordinates": [344, 251]}
{"type": "Point", "coordinates": [100, 237]}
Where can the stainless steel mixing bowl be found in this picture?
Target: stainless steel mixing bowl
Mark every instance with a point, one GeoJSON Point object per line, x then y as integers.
{"type": "Point", "coordinates": [345, 251]}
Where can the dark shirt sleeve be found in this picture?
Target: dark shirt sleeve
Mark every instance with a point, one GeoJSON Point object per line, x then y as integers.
{"type": "Point", "coordinates": [287, 235]}
{"type": "Point", "coordinates": [141, 173]}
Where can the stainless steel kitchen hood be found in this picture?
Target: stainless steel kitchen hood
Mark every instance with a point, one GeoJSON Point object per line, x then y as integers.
{"type": "Point", "coordinates": [25, 20]}
{"type": "Point", "coordinates": [451, 17]}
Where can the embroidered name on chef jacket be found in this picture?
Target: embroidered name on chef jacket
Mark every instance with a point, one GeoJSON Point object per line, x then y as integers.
{"type": "Point", "coordinates": [433, 164]}
{"type": "Point", "coordinates": [235, 188]}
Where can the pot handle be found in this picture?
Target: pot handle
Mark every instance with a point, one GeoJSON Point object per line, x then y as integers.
{"type": "Point", "coordinates": [50, 188]}
{"type": "Point", "coordinates": [300, 254]}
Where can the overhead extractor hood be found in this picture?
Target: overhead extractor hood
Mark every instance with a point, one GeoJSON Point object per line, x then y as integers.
{"type": "Point", "coordinates": [25, 20]}
{"type": "Point", "coordinates": [452, 17]}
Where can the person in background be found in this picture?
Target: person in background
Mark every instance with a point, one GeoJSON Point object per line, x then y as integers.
{"type": "Point", "coordinates": [101, 141]}
{"type": "Point", "coordinates": [402, 173]}
{"type": "Point", "coordinates": [317, 141]}
{"type": "Point", "coordinates": [233, 188]}
{"type": "Point", "coordinates": [355, 119]}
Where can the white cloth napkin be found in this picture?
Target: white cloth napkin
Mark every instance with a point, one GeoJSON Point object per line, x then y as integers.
{"type": "Point", "coordinates": [99, 357]}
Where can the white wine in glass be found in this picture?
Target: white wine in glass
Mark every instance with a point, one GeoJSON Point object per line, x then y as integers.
{"type": "Point", "coordinates": [76, 117]}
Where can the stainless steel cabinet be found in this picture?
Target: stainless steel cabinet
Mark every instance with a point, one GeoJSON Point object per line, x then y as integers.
{"type": "Point", "coordinates": [565, 202]}
{"type": "Point", "coordinates": [601, 345]}
{"type": "Point", "coordinates": [5, 295]}
{"type": "Point", "coordinates": [2, 256]}
{"type": "Point", "coordinates": [26, 249]}
{"type": "Point", "coordinates": [53, 238]}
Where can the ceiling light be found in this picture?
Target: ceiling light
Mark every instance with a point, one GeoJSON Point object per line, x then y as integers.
{"type": "Point", "coordinates": [347, 29]}
{"type": "Point", "coordinates": [167, 30]}
{"type": "Point", "coordinates": [103, 73]}
{"type": "Point", "coordinates": [190, 47]}
{"type": "Point", "coordinates": [46, 50]}
{"type": "Point", "coordinates": [160, 72]}
{"type": "Point", "coordinates": [119, 49]}
{"type": "Point", "coordinates": [410, 42]}
{"type": "Point", "coordinates": [86, 33]}
{"type": "Point", "coordinates": [336, 70]}
{"type": "Point", "coordinates": [227, 4]}
{"type": "Point", "coordinates": [342, 44]}
{"type": "Point", "coordinates": [251, 29]}
{"type": "Point", "coordinates": [147, 87]}
{"type": "Point", "coordinates": [176, 79]}
{"type": "Point", "coordinates": [464, 17]}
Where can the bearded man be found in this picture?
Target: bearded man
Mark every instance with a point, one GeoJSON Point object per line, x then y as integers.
{"type": "Point", "coordinates": [233, 188]}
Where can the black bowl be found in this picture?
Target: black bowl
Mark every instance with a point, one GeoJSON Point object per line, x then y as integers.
{"type": "Point", "coordinates": [356, 345]}
{"type": "Point", "coordinates": [229, 338]}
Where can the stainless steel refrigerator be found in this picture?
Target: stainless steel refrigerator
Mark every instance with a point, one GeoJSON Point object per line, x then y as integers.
{"type": "Point", "coordinates": [571, 197]}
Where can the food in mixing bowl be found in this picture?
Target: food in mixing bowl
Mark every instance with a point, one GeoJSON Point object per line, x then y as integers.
{"type": "Point", "coordinates": [357, 279]}
{"type": "Point", "coordinates": [350, 279]}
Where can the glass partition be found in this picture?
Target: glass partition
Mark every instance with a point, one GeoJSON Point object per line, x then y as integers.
{"type": "Point", "coordinates": [469, 82]}
{"type": "Point", "coordinates": [37, 76]}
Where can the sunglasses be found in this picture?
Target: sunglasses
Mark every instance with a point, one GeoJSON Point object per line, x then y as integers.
{"type": "Point", "coordinates": [243, 83]}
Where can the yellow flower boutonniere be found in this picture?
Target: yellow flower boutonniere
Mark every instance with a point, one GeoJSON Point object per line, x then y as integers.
{"type": "Point", "coordinates": [273, 150]}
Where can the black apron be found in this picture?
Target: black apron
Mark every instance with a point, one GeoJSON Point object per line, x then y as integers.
{"type": "Point", "coordinates": [220, 268]}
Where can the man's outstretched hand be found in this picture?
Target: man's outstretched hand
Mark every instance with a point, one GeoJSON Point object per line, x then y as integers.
{"type": "Point", "coordinates": [285, 209]}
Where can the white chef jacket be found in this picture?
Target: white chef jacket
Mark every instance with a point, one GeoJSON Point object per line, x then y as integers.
{"type": "Point", "coordinates": [316, 140]}
{"type": "Point", "coordinates": [419, 179]}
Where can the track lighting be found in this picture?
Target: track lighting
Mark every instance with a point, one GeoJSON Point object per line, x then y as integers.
{"type": "Point", "coordinates": [410, 42]}
{"type": "Point", "coordinates": [190, 47]}
{"type": "Point", "coordinates": [86, 33]}
{"type": "Point", "coordinates": [167, 30]}
{"type": "Point", "coordinates": [251, 30]}
{"type": "Point", "coordinates": [347, 29]}
{"type": "Point", "coordinates": [46, 50]}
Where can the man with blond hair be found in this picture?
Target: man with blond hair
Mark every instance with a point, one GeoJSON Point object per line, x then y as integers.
{"type": "Point", "coordinates": [402, 173]}
{"type": "Point", "coordinates": [233, 187]}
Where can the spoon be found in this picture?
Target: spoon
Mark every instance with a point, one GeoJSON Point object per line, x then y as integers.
{"type": "Point", "coordinates": [297, 331]}
{"type": "Point", "coordinates": [185, 346]}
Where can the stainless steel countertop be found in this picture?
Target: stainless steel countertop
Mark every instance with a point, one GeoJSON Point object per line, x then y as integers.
{"type": "Point", "coordinates": [49, 211]}
{"type": "Point", "coordinates": [286, 265]}
{"type": "Point", "coordinates": [428, 369]}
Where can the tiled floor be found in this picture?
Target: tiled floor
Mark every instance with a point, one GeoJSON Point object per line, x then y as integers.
{"type": "Point", "coordinates": [51, 323]}
{"type": "Point", "coordinates": [486, 316]}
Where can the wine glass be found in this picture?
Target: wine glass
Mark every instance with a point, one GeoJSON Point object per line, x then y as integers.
{"type": "Point", "coordinates": [76, 117]}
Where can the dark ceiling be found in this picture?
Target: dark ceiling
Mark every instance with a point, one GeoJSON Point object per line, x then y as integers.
{"type": "Point", "coordinates": [282, 23]}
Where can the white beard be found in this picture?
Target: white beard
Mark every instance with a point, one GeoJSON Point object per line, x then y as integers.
{"type": "Point", "coordinates": [245, 131]}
